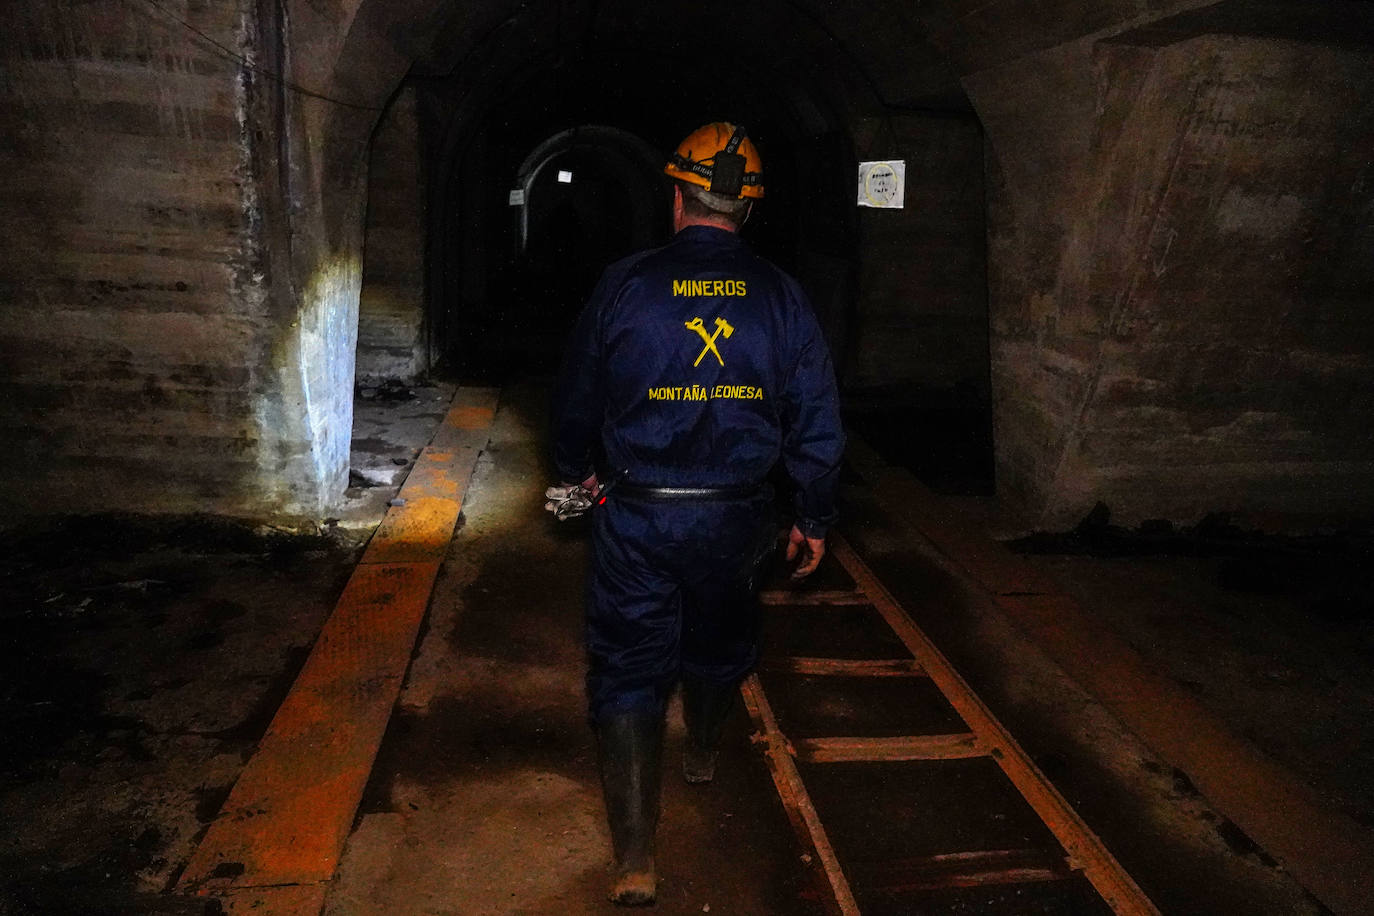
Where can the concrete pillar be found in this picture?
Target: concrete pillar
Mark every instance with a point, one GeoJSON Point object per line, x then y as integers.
{"type": "Point", "coordinates": [132, 316]}
{"type": "Point", "coordinates": [181, 258]}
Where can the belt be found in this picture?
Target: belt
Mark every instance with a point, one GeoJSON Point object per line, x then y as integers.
{"type": "Point", "coordinates": [637, 491]}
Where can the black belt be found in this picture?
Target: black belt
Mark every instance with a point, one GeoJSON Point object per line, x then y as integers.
{"type": "Point", "coordinates": [637, 491]}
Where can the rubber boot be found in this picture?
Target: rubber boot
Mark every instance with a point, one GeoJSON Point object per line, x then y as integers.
{"type": "Point", "coordinates": [628, 745]}
{"type": "Point", "coordinates": [705, 707]}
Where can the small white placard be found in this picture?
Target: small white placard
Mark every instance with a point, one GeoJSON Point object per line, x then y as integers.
{"type": "Point", "coordinates": [517, 197]}
{"type": "Point", "coordinates": [882, 184]}
{"type": "Point", "coordinates": [564, 176]}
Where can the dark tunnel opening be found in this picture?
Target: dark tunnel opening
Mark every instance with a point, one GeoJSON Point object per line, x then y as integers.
{"type": "Point", "coordinates": [580, 200]}
{"type": "Point", "coordinates": [612, 118]}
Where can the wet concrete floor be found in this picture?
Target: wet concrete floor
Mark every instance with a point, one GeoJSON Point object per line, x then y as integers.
{"type": "Point", "coordinates": [392, 422]}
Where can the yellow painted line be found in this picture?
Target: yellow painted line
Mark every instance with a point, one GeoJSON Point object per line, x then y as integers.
{"type": "Point", "coordinates": [278, 839]}
{"type": "Point", "coordinates": [470, 416]}
{"type": "Point", "coordinates": [287, 817]}
{"type": "Point", "coordinates": [417, 532]}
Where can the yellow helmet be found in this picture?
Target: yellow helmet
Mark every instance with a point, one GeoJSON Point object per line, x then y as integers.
{"type": "Point", "coordinates": [721, 158]}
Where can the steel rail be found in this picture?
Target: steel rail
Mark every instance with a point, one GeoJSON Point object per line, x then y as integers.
{"type": "Point", "coordinates": [829, 597]}
{"type": "Point", "coordinates": [889, 750]}
{"type": "Point", "coordinates": [793, 792]}
{"type": "Point", "coordinates": [1085, 849]}
{"type": "Point", "coordinates": [966, 869]}
{"type": "Point", "coordinates": [844, 667]}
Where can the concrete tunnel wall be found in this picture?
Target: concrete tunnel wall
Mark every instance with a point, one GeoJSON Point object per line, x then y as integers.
{"type": "Point", "coordinates": [137, 339]}
{"type": "Point", "coordinates": [181, 264]}
{"type": "Point", "coordinates": [1177, 270]}
{"type": "Point", "coordinates": [921, 316]}
{"type": "Point", "coordinates": [392, 326]}
{"type": "Point", "coordinates": [1179, 211]}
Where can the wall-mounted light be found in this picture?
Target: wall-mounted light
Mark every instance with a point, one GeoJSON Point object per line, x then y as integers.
{"type": "Point", "coordinates": [564, 176]}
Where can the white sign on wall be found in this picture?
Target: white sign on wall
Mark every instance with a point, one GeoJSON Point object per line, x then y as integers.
{"type": "Point", "coordinates": [882, 184]}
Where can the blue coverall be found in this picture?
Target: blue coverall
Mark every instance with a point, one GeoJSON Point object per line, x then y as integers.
{"type": "Point", "coordinates": [698, 364]}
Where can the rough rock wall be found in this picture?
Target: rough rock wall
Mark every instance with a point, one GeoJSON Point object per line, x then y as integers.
{"type": "Point", "coordinates": [1181, 264]}
{"type": "Point", "coordinates": [922, 315]}
{"type": "Point", "coordinates": [131, 323]}
{"type": "Point", "coordinates": [391, 341]}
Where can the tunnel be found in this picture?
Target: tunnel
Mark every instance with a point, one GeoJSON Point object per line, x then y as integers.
{"type": "Point", "coordinates": [1080, 298]}
{"type": "Point", "coordinates": [513, 251]}
{"type": "Point", "coordinates": [285, 286]}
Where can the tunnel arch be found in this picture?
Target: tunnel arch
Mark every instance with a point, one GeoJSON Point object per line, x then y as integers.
{"type": "Point", "coordinates": [816, 91]}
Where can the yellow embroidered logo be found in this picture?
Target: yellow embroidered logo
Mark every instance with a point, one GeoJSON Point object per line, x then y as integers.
{"type": "Point", "coordinates": [722, 327]}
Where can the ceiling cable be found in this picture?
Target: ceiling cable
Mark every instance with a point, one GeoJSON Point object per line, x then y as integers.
{"type": "Point", "coordinates": [231, 54]}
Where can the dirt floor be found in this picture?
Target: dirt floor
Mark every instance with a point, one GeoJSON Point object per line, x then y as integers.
{"type": "Point", "coordinates": [1258, 646]}
{"type": "Point", "coordinates": [1273, 633]}
{"type": "Point", "coordinates": [144, 660]}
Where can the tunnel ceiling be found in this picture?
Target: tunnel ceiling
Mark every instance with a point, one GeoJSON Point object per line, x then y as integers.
{"type": "Point", "coordinates": [873, 55]}
{"type": "Point", "coordinates": [817, 65]}
{"type": "Point", "coordinates": [900, 54]}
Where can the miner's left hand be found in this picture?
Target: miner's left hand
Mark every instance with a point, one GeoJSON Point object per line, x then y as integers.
{"type": "Point", "coordinates": [809, 549]}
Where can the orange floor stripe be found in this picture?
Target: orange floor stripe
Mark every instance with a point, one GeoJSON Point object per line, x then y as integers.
{"type": "Point", "coordinates": [417, 532]}
{"type": "Point", "coordinates": [279, 837]}
{"type": "Point", "coordinates": [288, 815]}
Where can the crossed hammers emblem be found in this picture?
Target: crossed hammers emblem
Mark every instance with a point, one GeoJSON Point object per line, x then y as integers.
{"type": "Point", "coordinates": [722, 327]}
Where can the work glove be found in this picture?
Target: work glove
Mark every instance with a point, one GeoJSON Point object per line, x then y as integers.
{"type": "Point", "coordinates": [568, 501]}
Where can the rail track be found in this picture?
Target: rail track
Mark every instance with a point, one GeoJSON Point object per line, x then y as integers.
{"type": "Point", "coordinates": [908, 793]}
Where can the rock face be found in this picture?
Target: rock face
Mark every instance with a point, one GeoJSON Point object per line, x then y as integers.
{"type": "Point", "coordinates": [1141, 232]}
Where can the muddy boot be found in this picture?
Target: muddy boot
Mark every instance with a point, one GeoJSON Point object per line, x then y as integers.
{"type": "Point", "coordinates": [705, 707]}
{"type": "Point", "coordinates": [628, 748]}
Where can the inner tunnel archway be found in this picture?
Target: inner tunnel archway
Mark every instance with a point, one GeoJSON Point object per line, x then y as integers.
{"type": "Point", "coordinates": [579, 200]}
